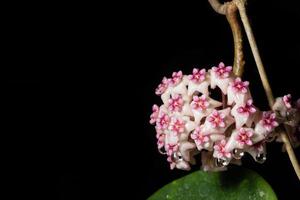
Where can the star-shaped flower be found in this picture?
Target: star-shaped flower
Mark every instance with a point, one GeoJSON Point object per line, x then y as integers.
{"type": "Point", "coordinates": [239, 86]}
{"type": "Point", "coordinates": [269, 121]}
{"type": "Point", "coordinates": [222, 71]}
{"type": "Point", "coordinates": [247, 109]}
{"type": "Point", "coordinates": [163, 121]}
{"type": "Point", "coordinates": [219, 150]}
{"type": "Point", "coordinates": [176, 78]}
{"type": "Point", "coordinates": [162, 87]}
{"type": "Point", "coordinates": [154, 115]}
{"type": "Point", "coordinates": [244, 114]}
{"type": "Point", "coordinates": [171, 148]}
{"type": "Point", "coordinates": [198, 82]}
{"type": "Point", "coordinates": [198, 75]}
{"type": "Point", "coordinates": [221, 76]}
{"type": "Point", "coordinates": [283, 105]}
{"type": "Point", "coordinates": [240, 139]}
{"type": "Point", "coordinates": [161, 141]}
{"type": "Point", "coordinates": [203, 106]}
{"type": "Point", "coordinates": [176, 103]}
{"type": "Point", "coordinates": [265, 126]}
{"type": "Point", "coordinates": [202, 141]}
{"type": "Point", "coordinates": [244, 137]}
{"type": "Point", "coordinates": [238, 92]}
{"type": "Point", "coordinates": [287, 99]}
{"type": "Point", "coordinates": [218, 121]}
{"type": "Point", "coordinates": [200, 103]}
{"type": "Point", "coordinates": [177, 125]}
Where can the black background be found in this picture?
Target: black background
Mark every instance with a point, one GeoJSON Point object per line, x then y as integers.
{"type": "Point", "coordinates": [80, 86]}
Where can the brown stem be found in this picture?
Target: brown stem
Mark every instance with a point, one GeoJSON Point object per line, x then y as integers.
{"type": "Point", "coordinates": [230, 10]}
{"type": "Point", "coordinates": [241, 6]}
{"type": "Point", "coordinates": [224, 100]}
{"type": "Point", "coordinates": [291, 153]}
{"type": "Point", "coordinates": [218, 7]}
{"type": "Point", "coordinates": [231, 15]}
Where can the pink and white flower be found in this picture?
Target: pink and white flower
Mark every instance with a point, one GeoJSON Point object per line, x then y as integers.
{"type": "Point", "coordinates": [247, 109]}
{"type": "Point", "coordinates": [176, 78]}
{"type": "Point", "coordinates": [239, 86]}
{"type": "Point", "coordinates": [220, 76]}
{"type": "Point", "coordinates": [162, 87]}
{"type": "Point", "coordinates": [269, 121]}
{"type": "Point", "coordinates": [161, 141]}
{"type": "Point", "coordinates": [198, 75]}
{"type": "Point", "coordinates": [163, 121]}
{"type": "Point", "coordinates": [244, 114]}
{"type": "Point", "coordinates": [177, 125]}
{"type": "Point", "coordinates": [219, 150]}
{"type": "Point", "coordinates": [244, 137]}
{"type": "Point", "coordinates": [217, 119]}
{"type": "Point", "coordinates": [200, 139]}
{"type": "Point", "coordinates": [203, 106]}
{"type": "Point", "coordinates": [154, 115]}
{"type": "Point", "coordinates": [200, 103]}
{"type": "Point", "coordinates": [222, 71]}
{"type": "Point", "coordinates": [171, 148]}
{"type": "Point", "coordinates": [287, 99]}
{"type": "Point", "coordinates": [176, 103]}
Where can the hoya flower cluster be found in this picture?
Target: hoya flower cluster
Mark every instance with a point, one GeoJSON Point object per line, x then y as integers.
{"type": "Point", "coordinates": [191, 122]}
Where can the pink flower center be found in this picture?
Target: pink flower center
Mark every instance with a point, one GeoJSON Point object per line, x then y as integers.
{"type": "Point", "coordinates": [222, 71]}
{"type": "Point", "coordinates": [248, 108]}
{"type": "Point", "coordinates": [171, 148]}
{"type": "Point", "coordinates": [217, 119]}
{"type": "Point", "coordinates": [163, 121]}
{"type": "Point", "coordinates": [176, 103]}
{"type": "Point", "coordinates": [199, 138]}
{"type": "Point", "coordinates": [200, 103]}
{"type": "Point", "coordinates": [176, 78]}
{"type": "Point", "coordinates": [162, 87]}
{"type": "Point", "coordinates": [177, 125]}
{"type": "Point", "coordinates": [239, 86]}
{"type": "Point", "coordinates": [269, 120]}
{"type": "Point", "coordinates": [154, 115]}
{"type": "Point", "coordinates": [160, 141]}
{"type": "Point", "coordinates": [287, 100]}
{"type": "Point", "coordinates": [197, 76]}
{"type": "Point", "coordinates": [220, 150]}
{"type": "Point", "coordinates": [244, 137]}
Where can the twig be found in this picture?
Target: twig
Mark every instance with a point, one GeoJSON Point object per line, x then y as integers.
{"type": "Point", "coordinates": [263, 76]}
{"type": "Point", "coordinates": [218, 7]}
{"type": "Point", "coordinates": [231, 15]}
{"type": "Point", "coordinates": [290, 152]}
{"type": "Point", "coordinates": [231, 11]}
{"type": "Point", "coordinates": [241, 6]}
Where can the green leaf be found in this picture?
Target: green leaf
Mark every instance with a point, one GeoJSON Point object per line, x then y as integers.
{"type": "Point", "coordinates": [235, 184]}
